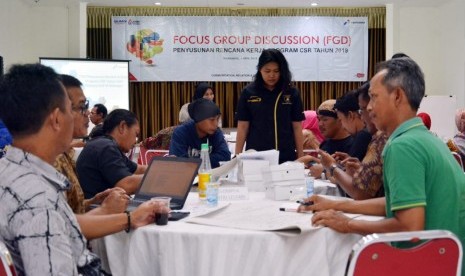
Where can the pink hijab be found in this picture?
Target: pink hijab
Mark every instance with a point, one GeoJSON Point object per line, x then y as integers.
{"type": "Point", "coordinates": [311, 123]}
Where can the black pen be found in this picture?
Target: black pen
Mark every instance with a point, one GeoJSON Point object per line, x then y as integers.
{"type": "Point", "coordinates": [305, 203]}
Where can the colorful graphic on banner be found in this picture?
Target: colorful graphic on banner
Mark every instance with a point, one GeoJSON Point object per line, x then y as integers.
{"type": "Point", "coordinates": [145, 44]}
{"type": "Point", "coordinates": [217, 48]}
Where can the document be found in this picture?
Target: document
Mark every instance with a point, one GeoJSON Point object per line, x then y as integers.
{"type": "Point", "coordinates": [264, 215]}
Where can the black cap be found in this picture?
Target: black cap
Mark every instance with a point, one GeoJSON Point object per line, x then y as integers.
{"type": "Point", "coordinates": [202, 109]}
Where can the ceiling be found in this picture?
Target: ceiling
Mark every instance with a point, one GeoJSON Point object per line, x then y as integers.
{"type": "Point", "coordinates": [242, 3]}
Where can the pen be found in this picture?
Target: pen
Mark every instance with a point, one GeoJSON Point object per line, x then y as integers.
{"type": "Point", "coordinates": [305, 203]}
{"type": "Point", "coordinates": [287, 209]}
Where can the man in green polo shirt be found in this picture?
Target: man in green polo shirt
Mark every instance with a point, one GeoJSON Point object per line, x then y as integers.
{"type": "Point", "coordinates": [424, 185]}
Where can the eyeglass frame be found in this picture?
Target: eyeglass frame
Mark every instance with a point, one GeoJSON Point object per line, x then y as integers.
{"type": "Point", "coordinates": [83, 108]}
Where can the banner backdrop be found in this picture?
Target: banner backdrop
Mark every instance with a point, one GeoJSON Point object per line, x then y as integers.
{"type": "Point", "coordinates": [226, 48]}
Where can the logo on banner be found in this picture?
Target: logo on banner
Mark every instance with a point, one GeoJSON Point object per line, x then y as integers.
{"type": "Point", "coordinates": [133, 22]}
{"type": "Point", "coordinates": [119, 21]}
{"type": "Point", "coordinates": [144, 44]}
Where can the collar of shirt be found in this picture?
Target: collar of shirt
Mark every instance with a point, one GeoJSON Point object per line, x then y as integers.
{"type": "Point", "coordinates": [402, 128]}
{"type": "Point", "coordinates": [47, 171]}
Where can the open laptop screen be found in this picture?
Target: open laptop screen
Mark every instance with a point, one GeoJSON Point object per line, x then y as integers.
{"type": "Point", "coordinates": [169, 176]}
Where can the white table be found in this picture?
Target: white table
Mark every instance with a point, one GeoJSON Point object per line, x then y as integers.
{"type": "Point", "coordinates": [182, 248]}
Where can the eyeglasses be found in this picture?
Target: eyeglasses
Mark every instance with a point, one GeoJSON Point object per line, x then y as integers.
{"type": "Point", "coordinates": [83, 108]}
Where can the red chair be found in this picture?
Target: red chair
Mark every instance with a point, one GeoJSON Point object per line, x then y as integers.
{"type": "Point", "coordinates": [149, 154]}
{"type": "Point", "coordinates": [7, 268]}
{"type": "Point", "coordinates": [439, 253]}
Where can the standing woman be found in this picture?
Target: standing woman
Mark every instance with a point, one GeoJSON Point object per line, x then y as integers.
{"type": "Point", "coordinates": [270, 110]}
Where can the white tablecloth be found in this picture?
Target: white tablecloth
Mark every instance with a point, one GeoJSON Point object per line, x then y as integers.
{"type": "Point", "coordinates": [182, 248]}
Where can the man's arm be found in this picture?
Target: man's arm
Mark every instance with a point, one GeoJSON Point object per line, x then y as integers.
{"type": "Point", "coordinates": [220, 150]}
{"type": "Point", "coordinates": [130, 183]}
{"type": "Point", "coordinates": [242, 131]}
{"type": "Point", "coordinates": [177, 146]}
{"type": "Point", "coordinates": [373, 207]}
{"type": "Point", "coordinates": [96, 226]}
{"type": "Point", "coordinates": [412, 219]}
{"type": "Point", "coordinates": [140, 169]}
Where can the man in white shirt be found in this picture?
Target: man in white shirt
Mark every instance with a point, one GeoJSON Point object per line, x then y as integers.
{"type": "Point", "coordinates": [36, 223]}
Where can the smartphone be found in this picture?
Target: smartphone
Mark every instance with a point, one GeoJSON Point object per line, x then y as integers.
{"type": "Point", "coordinates": [177, 215]}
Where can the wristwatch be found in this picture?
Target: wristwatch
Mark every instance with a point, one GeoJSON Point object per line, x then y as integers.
{"type": "Point", "coordinates": [332, 168]}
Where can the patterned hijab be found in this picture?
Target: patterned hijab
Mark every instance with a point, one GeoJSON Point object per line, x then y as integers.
{"type": "Point", "coordinates": [460, 120]}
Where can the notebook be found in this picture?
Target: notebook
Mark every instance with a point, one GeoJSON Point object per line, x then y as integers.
{"type": "Point", "coordinates": [167, 176]}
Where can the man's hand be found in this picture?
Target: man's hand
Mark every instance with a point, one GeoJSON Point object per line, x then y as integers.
{"type": "Point", "coordinates": [317, 203]}
{"type": "Point", "coordinates": [115, 202]}
{"type": "Point", "coordinates": [339, 156]}
{"type": "Point", "coordinates": [326, 159]}
{"type": "Point", "coordinates": [352, 165]}
{"type": "Point", "coordinates": [335, 220]}
{"type": "Point", "coordinates": [145, 213]}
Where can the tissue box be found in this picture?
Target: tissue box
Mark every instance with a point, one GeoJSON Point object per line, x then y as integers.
{"type": "Point", "coordinates": [284, 172]}
{"type": "Point", "coordinates": [251, 169]}
{"type": "Point", "coordinates": [287, 190]}
{"type": "Point", "coordinates": [285, 181]}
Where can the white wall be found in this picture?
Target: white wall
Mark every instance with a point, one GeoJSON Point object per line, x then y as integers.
{"type": "Point", "coordinates": [28, 32]}
{"type": "Point", "coordinates": [435, 38]}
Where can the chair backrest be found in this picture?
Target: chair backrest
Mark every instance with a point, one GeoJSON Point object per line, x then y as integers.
{"type": "Point", "coordinates": [458, 158]}
{"type": "Point", "coordinates": [439, 253]}
{"type": "Point", "coordinates": [7, 267]}
{"type": "Point", "coordinates": [149, 154]}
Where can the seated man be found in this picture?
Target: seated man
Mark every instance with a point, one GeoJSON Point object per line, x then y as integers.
{"type": "Point", "coordinates": [203, 128]}
{"type": "Point", "coordinates": [424, 185]}
{"type": "Point", "coordinates": [360, 180]}
{"type": "Point", "coordinates": [36, 222]}
{"type": "Point", "coordinates": [337, 139]}
{"type": "Point", "coordinates": [103, 164]}
{"type": "Point", "coordinates": [347, 111]}
{"type": "Point", "coordinates": [111, 217]}
{"type": "Point", "coordinates": [97, 116]}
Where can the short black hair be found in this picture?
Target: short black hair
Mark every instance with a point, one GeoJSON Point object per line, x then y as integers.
{"type": "Point", "coordinates": [348, 102]}
{"type": "Point", "coordinates": [29, 93]}
{"type": "Point", "coordinates": [70, 81]}
{"type": "Point", "coordinates": [116, 117]}
{"type": "Point", "coordinates": [399, 55]}
{"type": "Point", "coordinates": [363, 90]}
{"type": "Point", "coordinates": [101, 109]}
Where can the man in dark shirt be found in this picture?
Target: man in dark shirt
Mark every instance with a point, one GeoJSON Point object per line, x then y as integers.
{"type": "Point", "coordinates": [337, 139]}
{"type": "Point", "coordinates": [347, 112]}
{"type": "Point", "coordinates": [97, 116]}
{"type": "Point", "coordinates": [103, 164]}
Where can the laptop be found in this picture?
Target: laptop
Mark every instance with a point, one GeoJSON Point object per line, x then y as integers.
{"type": "Point", "coordinates": [167, 176]}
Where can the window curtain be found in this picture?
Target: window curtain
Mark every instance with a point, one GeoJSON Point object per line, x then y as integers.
{"type": "Point", "coordinates": [157, 104]}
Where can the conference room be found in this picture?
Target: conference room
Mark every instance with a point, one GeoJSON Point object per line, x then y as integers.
{"type": "Point", "coordinates": [168, 48]}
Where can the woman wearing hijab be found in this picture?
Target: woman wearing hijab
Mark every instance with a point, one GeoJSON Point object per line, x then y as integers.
{"type": "Point", "coordinates": [311, 131]}
{"type": "Point", "coordinates": [202, 90]}
{"type": "Point", "coordinates": [457, 144]}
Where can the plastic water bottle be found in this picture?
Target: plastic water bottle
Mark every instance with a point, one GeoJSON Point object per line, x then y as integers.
{"type": "Point", "coordinates": [309, 182]}
{"type": "Point", "coordinates": [204, 171]}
